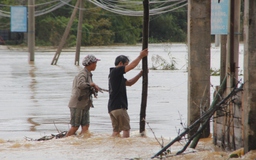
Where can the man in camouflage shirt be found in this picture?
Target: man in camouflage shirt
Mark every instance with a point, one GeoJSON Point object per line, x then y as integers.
{"type": "Point", "coordinates": [81, 97]}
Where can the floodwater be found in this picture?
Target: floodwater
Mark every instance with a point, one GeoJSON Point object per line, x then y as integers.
{"type": "Point", "coordinates": [34, 98]}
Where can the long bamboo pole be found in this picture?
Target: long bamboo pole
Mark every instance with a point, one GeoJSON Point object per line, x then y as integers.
{"type": "Point", "coordinates": [205, 118]}
{"type": "Point", "coordinates": [215, 101]}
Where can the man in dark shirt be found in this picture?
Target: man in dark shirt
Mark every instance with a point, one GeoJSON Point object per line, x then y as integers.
{"type": "Point", "coordinates": [118, 104]}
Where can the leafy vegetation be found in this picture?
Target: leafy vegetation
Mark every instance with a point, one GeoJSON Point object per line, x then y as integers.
{"type": "Point", "coordinates": [159, 62]}
{"type": "Point", "coordinates": [100, 27]}
{"type": "Point", "coordinates": [171, 27]}
{"type": "Point", "coordinates": [215, 72]}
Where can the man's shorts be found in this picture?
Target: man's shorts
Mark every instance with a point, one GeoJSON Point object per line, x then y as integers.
{"type": "Point", "coordinates": [120, 120]}
{"type": "Point", "coordinates": [79, 117]}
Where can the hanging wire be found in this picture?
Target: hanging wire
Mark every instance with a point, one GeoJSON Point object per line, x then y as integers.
{"type": "Point", "coordinates": [121, 7]}
{"type": "Point", "coordinates": [131, 8]}
{"type": "Point", "coordinates": [38, 12]}
{"type": "Point", "coordinates": [52, 8]}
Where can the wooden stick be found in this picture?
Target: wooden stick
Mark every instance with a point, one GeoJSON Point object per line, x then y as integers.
{"type": "Point", "coordinates": [144, 68]}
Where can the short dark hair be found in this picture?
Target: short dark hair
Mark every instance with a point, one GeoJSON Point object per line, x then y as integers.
{"type": "Point", "coordinates": [121, 58]}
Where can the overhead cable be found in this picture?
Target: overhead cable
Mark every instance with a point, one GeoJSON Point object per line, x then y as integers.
{"type": "Point", "coordinates": [39, 12]}
{"type": "Point", "coordinates": [128, 7]}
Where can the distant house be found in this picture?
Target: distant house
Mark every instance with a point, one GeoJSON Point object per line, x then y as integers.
{"type": "Point", "coordinates": [7, 37]}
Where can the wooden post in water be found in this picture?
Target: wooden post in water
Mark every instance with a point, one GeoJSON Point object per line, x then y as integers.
{"type": "Point", "coordinates": [144, 67]}
{"type": "Point", "coordinates": [65, 35]}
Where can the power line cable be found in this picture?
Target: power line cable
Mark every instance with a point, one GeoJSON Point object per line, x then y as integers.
{"type": "Point", "coordinates": [124, 8]}
{"type": "Point", "coordinates": [52, 8]}
{"type": "Point", "coordinates": [39, 12]}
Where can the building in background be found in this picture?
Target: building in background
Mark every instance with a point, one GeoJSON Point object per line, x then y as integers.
{"type": "Point", "coordinates": [8, 37]}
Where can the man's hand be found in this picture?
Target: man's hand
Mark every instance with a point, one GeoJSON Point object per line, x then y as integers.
{"type": "Point", "coordinates": [144, 53]}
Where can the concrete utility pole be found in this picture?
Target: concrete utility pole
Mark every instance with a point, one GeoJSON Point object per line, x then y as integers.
{"type": "Point", "coordinates": [230, 133]}
{"type": "Point", "coordinates": [223, 56]}
{"type": "Point", "coordinates": [199, 43]}
{"type": "Point", "coordinates": [31, 29]}
{"type": "Point", "coordinates": [249, 94]}
{"type": "Point", "coordinates": [233, 42]}
{"type": "Point", "coordinates": [79, 33]}
{"type": "Point", "coordinates": [237, 11]}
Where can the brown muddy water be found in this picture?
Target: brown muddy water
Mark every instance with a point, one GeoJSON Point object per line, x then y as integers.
{"type": "Point", "coordinates": [34, 98]}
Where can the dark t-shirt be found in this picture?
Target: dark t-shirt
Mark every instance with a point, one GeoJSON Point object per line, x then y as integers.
{"type": "Point", "coordinates": [117, 89]}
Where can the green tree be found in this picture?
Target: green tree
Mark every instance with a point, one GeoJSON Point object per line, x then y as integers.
{"type": "Point", "coordinates": [99, 32]}
{"type": "Point", "coordinates": [127, 29]}
{"type": "Point", "coordinates": [49, 30]}
{"type": "Point", "coordinates": [101, 27]}
{"type": "Point", "coordinates": [169, 27]}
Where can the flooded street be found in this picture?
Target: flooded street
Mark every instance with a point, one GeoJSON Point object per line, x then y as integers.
{"type": "Point", "coordinates": [34, 98]}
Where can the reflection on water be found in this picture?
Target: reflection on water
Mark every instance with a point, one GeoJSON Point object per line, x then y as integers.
{"type": "Point", "coordinates": [34, 97]}
{"type": "Point", "coordinates": [33, 80]}
{"type": "Point", "coordinates": [33, 124]}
